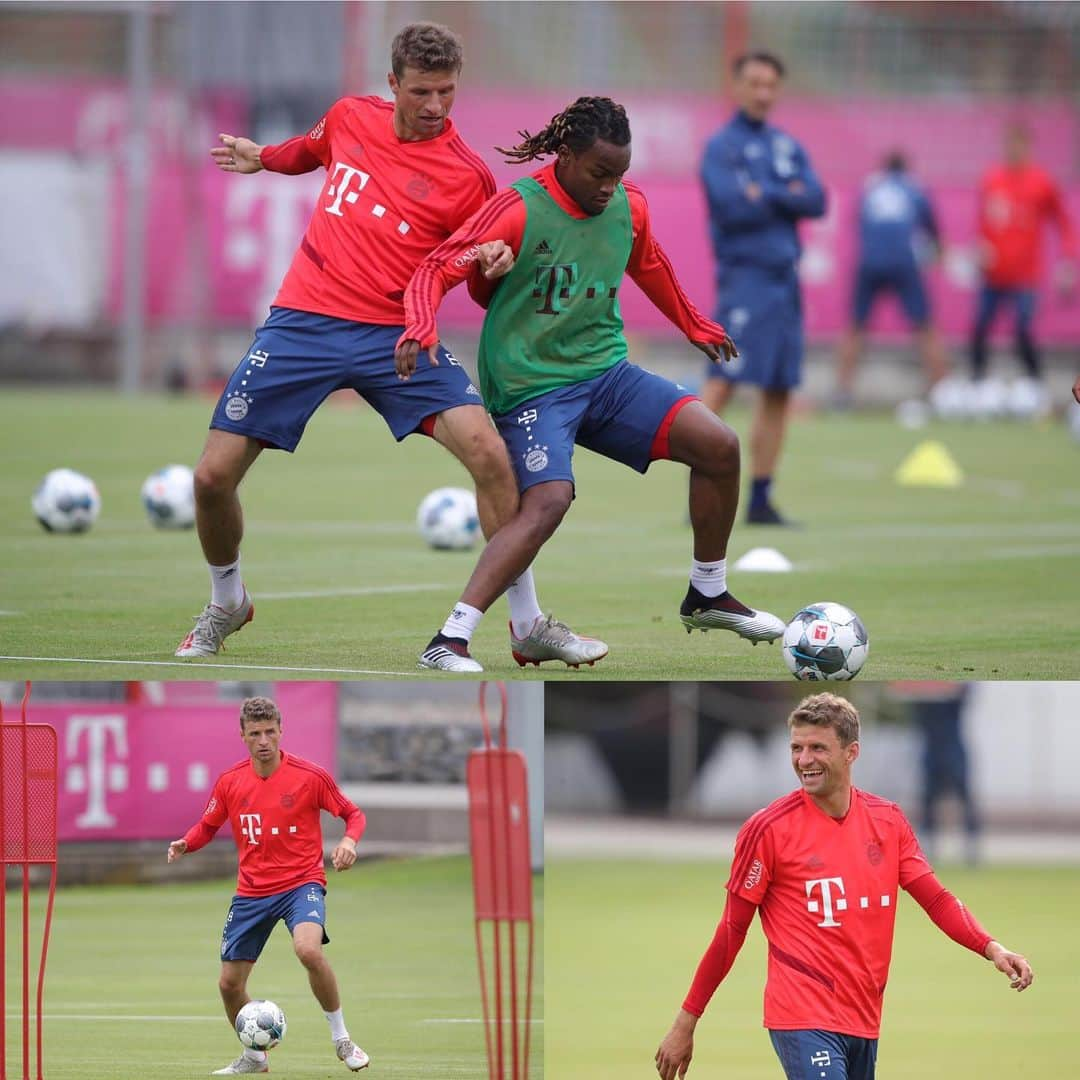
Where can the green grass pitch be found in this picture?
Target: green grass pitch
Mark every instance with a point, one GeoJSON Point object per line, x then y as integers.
{"type": "Point", "coordinates": [131, 984]}
{"type": "Point", "coordinates": [974, 583]}
{"type": "Point", "coordinates": [629, 936]}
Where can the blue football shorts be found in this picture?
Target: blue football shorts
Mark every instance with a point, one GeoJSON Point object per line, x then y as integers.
{"type": "Point", "coordinates": [824, 1055]}
{"type": "Point", "coordinates": [252, 918]}
{"type": "Point", "coordinates": [618, 413]}
{"type": "Point", "coordinates": [762, 313]}
{"type": "Point", "coordinates": [905, 281]}
{"type": "Point", "coordinates": [298, 359]}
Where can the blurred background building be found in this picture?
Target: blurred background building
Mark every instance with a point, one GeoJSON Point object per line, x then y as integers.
{"type": "Point", "coordinates": [653, 769]}
{"type": "Point", "coordinates": [138, 761]}
{"type": "Point", "coordinates": [125, 258]}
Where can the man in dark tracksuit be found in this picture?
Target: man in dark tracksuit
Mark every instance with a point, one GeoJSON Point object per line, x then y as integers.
{"type": "Point", "coordinates": [759, 183]}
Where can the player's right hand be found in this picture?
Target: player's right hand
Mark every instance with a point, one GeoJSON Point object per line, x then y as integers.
{"type": "Point", "coordinates": [405, 358]}
{"type": "Point", "coordinates": [674, 1053]}
{"type": "Point", "coordinates": [237, 154]}
{"type": "Point", "coordinates": [176, 849]}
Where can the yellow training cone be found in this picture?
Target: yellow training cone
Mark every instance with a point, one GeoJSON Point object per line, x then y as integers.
{"type": "Point", "coordinates": [929, 465]}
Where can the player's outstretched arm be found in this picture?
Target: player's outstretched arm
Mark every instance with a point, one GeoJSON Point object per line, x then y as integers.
{"type": "Point", "coordinates": [177, 849]}
{"type": "Point", "coordinates": [1012, 964]}
{"type": "Point", "coordinates": [344, 854]}
{"type": "Point", "coordinates": [674, 1053]}
{"type": "Point", "coordinates": [237, 154]}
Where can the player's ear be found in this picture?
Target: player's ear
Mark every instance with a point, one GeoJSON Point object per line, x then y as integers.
{"type": "Point", "coordinates": [853, 752]}
{"type": "Point", "coordinates": [395, 86]}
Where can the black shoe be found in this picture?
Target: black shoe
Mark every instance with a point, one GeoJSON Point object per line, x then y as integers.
{"type": "Point", "coordinates": [769, 515]}
{"type": "Point", "coordinates": [724, 612]}
{"type": "Point", "coordinates": [448, 654]}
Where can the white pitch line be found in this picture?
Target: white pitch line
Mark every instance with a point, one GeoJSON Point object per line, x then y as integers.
{"type": "Point", "coordinates": [204, 667]}
{"type": "Point", "coordinates": [475, 1020]}
{"type": "Point", "coordinates": [98, 1017]}
{"type": "Point", "coordinates": [367, 590]}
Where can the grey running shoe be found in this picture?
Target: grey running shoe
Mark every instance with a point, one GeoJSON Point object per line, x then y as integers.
{"type": "Point", "coordinates": [724, 612]}
{"type": "Point", "coordinates": [351, 1054]}
{"type": "Point", "coordinates": [550, 639]}
{"type": "Point", "coordinates": [213, 626]}
{"type": "Point", "coordinates": [448, 654]}
{"type": "Point", "coordinates": [243, 1065]}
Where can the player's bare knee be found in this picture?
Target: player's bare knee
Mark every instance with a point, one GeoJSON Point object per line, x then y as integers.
{"type": "Point", "coordinates": [231, 983]}
{"type": "Point", "coordinates": [309, 954]}
{"type": "Point", "coordinates": [488, 464]}
{"type": "Point", "coordinates": [213, 481]}
{"type": "Point", "coordinates": [545, 506]}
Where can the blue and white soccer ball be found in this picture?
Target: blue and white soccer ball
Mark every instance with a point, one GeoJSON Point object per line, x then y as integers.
{"type": "Point", "coordinates": [169, 497]}
{"type": "Point", "coordinates": [66, 502]}
{"type": "Point", "coordinates": [447, 519]}
{"type": "Point", "coordinates": [260, 1025]}
{"type": "Point", "coordinates": [825, 641]}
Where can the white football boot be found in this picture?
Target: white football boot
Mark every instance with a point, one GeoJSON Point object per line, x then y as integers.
{"type": "Point", "coordinates": [724, 612]}
{"type": "Point", "coordinates": [242, 1065]}
{"type": "Point", "coordinates": [354, 1058]}
{"type": "Point", "coordinates": [213, 626]}
{"type": "Point", "coordinates": [549, 639]}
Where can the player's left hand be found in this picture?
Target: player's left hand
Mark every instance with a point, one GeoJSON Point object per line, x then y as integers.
{"type": "Point", "coordinates": [344, 854]}
{"type": "Point", "coordinates": [496, 259]}
{"type": "Point", "coordinates": [726, 350]}
{"type": "Point", "coordinates": [405, 358]}
{"type": "Point", "coordinates": [1012, 964]}
{"type": "Point", "coordinates": [1076, 390]}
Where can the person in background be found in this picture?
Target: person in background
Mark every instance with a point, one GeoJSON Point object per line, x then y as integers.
{"type": "Point", "coordinates": [759, 184]}
{"type": "Point", "coordinates": [1016, 200]}
{"type": "Point", "coordinates": [897, 231]}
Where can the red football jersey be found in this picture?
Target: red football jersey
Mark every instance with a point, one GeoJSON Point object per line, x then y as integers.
{"type": "Point", "coordinates": [1014, 205]}
{"type": "Point", "coordinates": [385, 204]}
{"type": "Point", "coordinates": [275, 823]}
{"type": "Point", "coordinates": [827, 891]}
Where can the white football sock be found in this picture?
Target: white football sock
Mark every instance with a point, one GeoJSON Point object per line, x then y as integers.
{"type": "Point", "coordinates": [709, 578]}
{"type": "Point", "coordinates": [524, 607]}
{"type": "Point", "coordinates": [337, 1025]}
{"type": "Point", "coordinates": [462, 621]}
{"type": "Point", "coordinates": [226, 586]}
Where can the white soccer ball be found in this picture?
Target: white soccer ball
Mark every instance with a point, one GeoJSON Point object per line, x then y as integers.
{"type": "Point", "coordinates": [260, 1025]}
{"type": "Point", "coordinates": [825, 641]}
{"type": "Point", "coordinates": [447, 519]}
{"type": "Point", "coordinates": [169, 497]}
{"type": "Point", "coordinates": [66, 502]}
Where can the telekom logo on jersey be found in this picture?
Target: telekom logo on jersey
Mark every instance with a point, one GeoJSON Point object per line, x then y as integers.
{"type": "Point", "coordinates": [343, 189]}
{"type": "Point", "coordinates": [251, 827]}
{"type": "Point", "coordinates": [833, 899]}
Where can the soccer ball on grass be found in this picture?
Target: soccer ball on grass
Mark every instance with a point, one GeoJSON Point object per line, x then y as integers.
{"type": "Point", "coordinates": [169, 497]}
{"type": "Point", "coordinates": [66, 502]}
{"type": "Point", "coordinates": [260, 1025]}
{"type": "Point", "coordinates": [447, 519]}
{"type": "Point", "coordinates": [825, 641]}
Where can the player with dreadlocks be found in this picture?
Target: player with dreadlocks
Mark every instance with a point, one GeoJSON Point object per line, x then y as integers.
{"type": "Point", "coordinates": [553, 367]}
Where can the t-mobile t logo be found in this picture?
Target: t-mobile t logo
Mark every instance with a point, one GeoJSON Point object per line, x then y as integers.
{"type": "Point", "coordinates": [835, 900]}
{"type": "Point", "coordinates": [251, 826]}
{"type": "Point", "coordinates": [826, 903]}
{"type": "Point", "coordinates": [339, 189]}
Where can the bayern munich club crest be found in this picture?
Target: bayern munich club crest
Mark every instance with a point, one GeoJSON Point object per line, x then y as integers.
{"type": "Point", "coordinates": [536, 460]}
{"type": "Point", "coordinates": [236, 408]}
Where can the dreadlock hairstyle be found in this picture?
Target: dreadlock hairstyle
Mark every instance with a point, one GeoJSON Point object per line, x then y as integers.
{"type": "Point", "coordinates": [578, 126]}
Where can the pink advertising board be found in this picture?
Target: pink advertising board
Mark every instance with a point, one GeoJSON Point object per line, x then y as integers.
{"type": "Point", "coordinates": [145, 771]}
{"type": "Point", "coordinates": [218, 245]}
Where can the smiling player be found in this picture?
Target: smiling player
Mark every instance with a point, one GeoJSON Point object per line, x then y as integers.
{"type": "Point", "coordinates": [823, 866]}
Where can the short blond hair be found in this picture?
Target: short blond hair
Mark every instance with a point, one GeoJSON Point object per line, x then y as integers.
{"type": "Point", "coordinates": [828, 710]}
{"type": "Point", "coordinates": [259, 709]}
